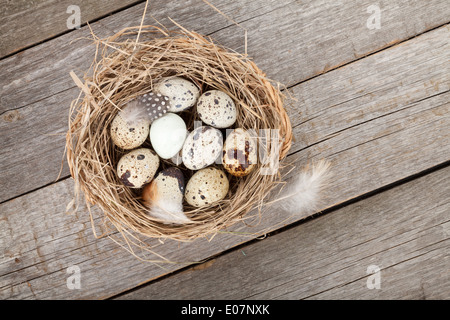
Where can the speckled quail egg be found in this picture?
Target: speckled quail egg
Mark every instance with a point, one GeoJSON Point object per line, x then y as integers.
{"type": "Point", "coordinates": [167, 135]}
{"type": "Point", "coordinates": [217, 109]}
{"type": "Point", "coordinates": [137, 167]}
{"type": "Point", "coordinates": [206, 187]}
{"type": "Point", "coordinates": [202, 147]}
{"type": "Point", "coordinates": [182, 93]}
{"type": "Point", "coordinates": [164, 195]}
{"type": "Point", "coordinates": [239, 153]}
{"type": "Point", "coordinates": [128, 136]}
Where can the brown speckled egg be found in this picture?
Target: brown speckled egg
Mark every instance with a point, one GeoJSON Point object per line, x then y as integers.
{"type": "Point", "coordinates": [239, 153]}
{"type": "Point", "coordinates": [137, 167]}
{"type": "Point", "coordinates": [164, 196]}
{"type": "Point", "coordinates": [129, 136]}
{"type": "Point", "coordinates": [217, 109]}
{"type": "Point", "coordinates": [202, 147]}
{"type": "Point", "coordinates": [182, 93]}
{"type": "Point", "coordinates": [168, 184]}
{"type": "Point", "coordinates": [206, 187]}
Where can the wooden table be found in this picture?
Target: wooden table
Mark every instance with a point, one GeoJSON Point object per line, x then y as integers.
{"type": "Point", "coordinates": [372, 87]}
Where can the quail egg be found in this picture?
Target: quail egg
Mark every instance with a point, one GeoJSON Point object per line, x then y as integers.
{"type": "Point", "coordinates": [202, 147]}
{"type": "Point", "coordinates": [128, 136]}
{"type": "Point", "coordinates": [217, 109]}
{"type": "Point", "coordinates": [182, 93]}
{"type": "Point", "coordinates": [206, 187]}
{"type": "Point", "coordinates": [239, 153]}
{"type": "Point", "coordinates": [164, 195]}
{"type": "Point", "coordinates": [137, 167]}
{"type": "Point", "coordinates": [167, 135]}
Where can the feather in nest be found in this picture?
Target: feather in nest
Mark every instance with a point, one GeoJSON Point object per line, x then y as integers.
{"type": "Point", "coordinates": [301, 193]}
{"type": "Point", "coordinates": [147, 107]}
{"type": "Point", "coordinates": [164, 197]}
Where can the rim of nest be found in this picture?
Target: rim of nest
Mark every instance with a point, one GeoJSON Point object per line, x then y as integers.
{"type": "Point", "coordinates": [123, 69]}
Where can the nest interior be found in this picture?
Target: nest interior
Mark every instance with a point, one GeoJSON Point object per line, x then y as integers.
{"type": "Point", "coordinates": [124, 68]}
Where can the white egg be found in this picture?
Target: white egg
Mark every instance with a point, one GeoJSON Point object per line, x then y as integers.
{"type": "Point", "coordinates": [217, 109]}
{"type": "Point", "coordinates": [202, 147]}
{"type": "Point", "coordinates": [137, 167]}
{"type": "Point", "coordinates": [128, 136]}
{"type": "Point", "coordinates": [206, 187]}
{"type": "Point", "coordinates": [167, 135]}
{"type": "Point", "coordinates": [182, 93]}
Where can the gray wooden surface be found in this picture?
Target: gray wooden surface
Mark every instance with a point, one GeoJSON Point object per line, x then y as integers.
{"type": "Point", "coordinates": [34, 94]}
{"type": "Point", "coordinates": [25, 23]}
{"type": "Point", "coordinates": [373, 102]}
{"type": "Point", "coordinates": [405, 231]}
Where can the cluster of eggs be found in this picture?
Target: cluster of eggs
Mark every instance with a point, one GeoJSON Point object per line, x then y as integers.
{"type": "Point", "coordinates": [154, 116]}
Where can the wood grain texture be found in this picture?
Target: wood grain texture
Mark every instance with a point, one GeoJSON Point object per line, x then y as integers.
{"type": "Point", "coordinates": [405, 231]}
{"type": "Point", "coordinates": [25, 23]}
{"type": "Point", "coordinates": [405, 133]}
{"type": "Point", "coordinates": [302, 38]}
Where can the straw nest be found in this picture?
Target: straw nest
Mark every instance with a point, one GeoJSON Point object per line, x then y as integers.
{"type": "Point", "coordinates": [124, 68]}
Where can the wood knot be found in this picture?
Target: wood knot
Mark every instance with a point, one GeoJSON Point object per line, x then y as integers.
{"type": "Point", "coordinates": [11, 116]}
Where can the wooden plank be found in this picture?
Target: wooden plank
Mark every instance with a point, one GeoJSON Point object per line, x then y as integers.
{"type": "Point", "coordinates": [405, 231]}
{"type": "Point", "coordinates": [36, 81]}
{"type": "Point", "coordinates": [25, 23]}
{"type": "Point", "coordinates": [48, 65]}
{"type": "Point", "coordinates": [387, 145]}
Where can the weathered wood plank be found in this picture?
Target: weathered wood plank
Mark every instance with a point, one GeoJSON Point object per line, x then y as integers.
{"type": "Point", "coordinates": [405, 231]}
{"type": "Point", "coordinates": [48, 65]}
{"type": "Point", "coordinates": [387, 144]}
{"type": "Point", "coordinates": [36, 81]}
{"type": "Point", "coordinates": [25, 23]}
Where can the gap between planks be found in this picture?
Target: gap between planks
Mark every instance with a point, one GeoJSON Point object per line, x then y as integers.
{"type": "Point", "coordinates": [20, 28]}
{"type": "Point", "coordinates": [63, 177]}
{"type": "Point", "coordinates": [299, 122]}
{"type": "Point", "coordinates": [332, 144]}
{"type": "Point", "coordinates": [423, 103]}
{"type": "Point", "coordinates": [311, 261]}
{"type": "Point", "coordinates": [290, 10]}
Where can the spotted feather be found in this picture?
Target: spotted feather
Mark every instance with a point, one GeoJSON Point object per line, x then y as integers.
{"type": "Point", "coordinates": [149, 106]}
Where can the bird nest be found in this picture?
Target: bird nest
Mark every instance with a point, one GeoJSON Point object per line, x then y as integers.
{"type": "Point", "coordinates": [125, 68]}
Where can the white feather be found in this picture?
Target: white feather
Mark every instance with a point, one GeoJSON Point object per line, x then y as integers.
{"type": "Point", "coordinates": [134, 112]}
{"type": "Point", "coordinates": [168, 211]}
{"type": "Point", "coordinates": [302, 192]}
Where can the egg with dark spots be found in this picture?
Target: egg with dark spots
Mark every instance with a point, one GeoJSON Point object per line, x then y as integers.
{"type": "Point", "coordinates": [182, 93]}
{"type": "Point", "coordinates": [137, 167]}
{"type": "Point", "coordinates": [239, 156]}
{"type": "Point", "coordinates": [203, 146]}
{"type": "Point", "coordinates": [217, 109]}
{"type": "Point", "coordinates": [129, 136]}
{"type": "Point", "coordinates": [164, 196]}
{"type": "Point", "coordinates": [168, 185]}
{"type": "Point", "coordinates": [206, 187]}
